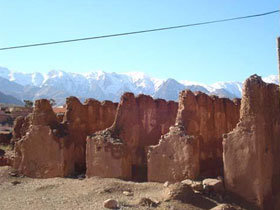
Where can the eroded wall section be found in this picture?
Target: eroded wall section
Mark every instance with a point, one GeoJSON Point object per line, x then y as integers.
{"type": "Point", "coordinates": [252, 149]}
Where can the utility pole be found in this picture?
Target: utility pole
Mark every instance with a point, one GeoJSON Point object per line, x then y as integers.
{"type": "Point", "coordinates": [278, 53]}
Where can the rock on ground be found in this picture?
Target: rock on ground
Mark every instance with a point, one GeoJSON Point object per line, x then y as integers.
{"type": "Point", "coordinates": [110, 204]}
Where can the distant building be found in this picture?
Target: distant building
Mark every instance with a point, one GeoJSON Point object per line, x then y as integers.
{"type": "Point", "coordinates": [59, 110]}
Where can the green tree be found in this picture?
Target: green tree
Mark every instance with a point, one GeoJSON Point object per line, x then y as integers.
{"type": "Point", "coordinates": [52, 102]}
{"type": "Point", "coordinates": [28, 103]}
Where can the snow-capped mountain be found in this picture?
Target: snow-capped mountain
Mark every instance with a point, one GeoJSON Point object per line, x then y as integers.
{"type": "Point", "coordinates": [101, 85]}
{"type": "Point", "coordinates": [272, 79]}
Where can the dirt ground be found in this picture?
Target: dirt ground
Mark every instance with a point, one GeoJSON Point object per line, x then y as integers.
{"type": "Point", "coordinates": [19, 193]}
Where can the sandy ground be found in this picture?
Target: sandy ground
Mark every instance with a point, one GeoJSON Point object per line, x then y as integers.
{"type": "Point", "coordinates": [90, 193]}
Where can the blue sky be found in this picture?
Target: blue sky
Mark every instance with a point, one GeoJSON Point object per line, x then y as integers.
{"type": "Point", "coordinates": [221, 52]}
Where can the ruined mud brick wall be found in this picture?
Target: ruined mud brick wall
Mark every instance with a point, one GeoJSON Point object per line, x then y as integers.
{"type": "Point", "coordinates": [45, 147]}
{"type": "Point", "coordinates": [201, 121]}
{"type": "Point", "coordinates": [175, 158]}
{"type": "Point", "coordinates": [41, 152]}
{"type": "Point", "coordinates": [139, 122]}
{"type": "Point", "coordinates": [21, 125]}
{"type": "Point", "coordinates": [252, 149]}
{"type": "Point", "coordinates": [108, 157]}
{"type": "Point", "coordinates": [208, 117]}
{"type": "Point", "coordinates": [83, 120]}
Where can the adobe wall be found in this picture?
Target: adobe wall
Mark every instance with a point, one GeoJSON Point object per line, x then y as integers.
{"type": "Point", "coordinates": [208, 117]}
{"type": "Point", "coordinates": [252, 149]}
{"type": "Point", "coordinates": [139, 122]}
{"type": "Point", "coordinates": [195, 149]}
{"type": "Point", "coordinates": [83, 120]}
{"type": "Point", "coordinates": [175, 158]}
{"type": "Point", "coordinates": [39, 151]}
{"type": "Point", "coordinates": [108, 157]}
{"type": "Point", "coordinates": [58, 147]}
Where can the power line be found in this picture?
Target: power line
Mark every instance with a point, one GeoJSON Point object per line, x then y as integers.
{"type": "Point", "coordinates": [143, 31]}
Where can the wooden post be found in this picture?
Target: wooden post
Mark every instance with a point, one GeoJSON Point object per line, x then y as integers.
{"type": "Point", "coordinates": [278, 58]}
{"type": "Point", "coordinates": [278, 53]}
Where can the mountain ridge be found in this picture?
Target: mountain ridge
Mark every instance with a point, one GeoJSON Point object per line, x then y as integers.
{"type": "Point", "coordinates": [8, 99]}
{"type": "Point", "coordinates": [102, 85]}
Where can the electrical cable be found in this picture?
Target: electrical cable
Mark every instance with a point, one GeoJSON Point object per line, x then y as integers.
{"type": "Point", "coordinates": [142, 31]}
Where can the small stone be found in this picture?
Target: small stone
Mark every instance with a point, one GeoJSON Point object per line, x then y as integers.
{"type": "Point", "coordinates": [110, 204]}
{"type": "Point", "coordinates": [213, 185]}
{"type": "Point", "coordinates": [223, 207]}
{"type": "Point", "coordinates": [128, 193]}
{"type": "Point", "coordinates": [187, 182]}
{"type": "Point", "coordinates": [147, 202]}
{"type": "Point", "coordinates": [15, 182]}
{"type": "Point", "coordinates": [166, 184]}
{"type": "Point", "coordinates": [107, 190]}
{"type": "Point", "coordinates": [179, 191]}
{"type": "Point", "coordinates": [197, 186]}
{"type": "Point", "coordinates": [14, 173]}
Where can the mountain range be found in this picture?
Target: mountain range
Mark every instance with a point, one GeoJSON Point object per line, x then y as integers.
{"type": "Point", "coordinates": [101, 85]}
{"type": "Point", "coordinates": [7, 99]}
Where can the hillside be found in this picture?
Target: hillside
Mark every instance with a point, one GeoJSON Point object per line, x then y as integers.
{"type": "Point", "coordinates": [7, 99]}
